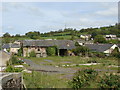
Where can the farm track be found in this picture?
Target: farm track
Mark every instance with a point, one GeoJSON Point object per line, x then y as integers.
{"type": "Point", "coordinates": [52, 69]}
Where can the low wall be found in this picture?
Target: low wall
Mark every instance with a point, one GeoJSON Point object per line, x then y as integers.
{"type": "Point", "coordinates": [11, 80]}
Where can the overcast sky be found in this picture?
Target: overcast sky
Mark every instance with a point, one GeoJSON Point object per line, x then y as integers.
{"type": "Point", "coordinates": [21, 17]}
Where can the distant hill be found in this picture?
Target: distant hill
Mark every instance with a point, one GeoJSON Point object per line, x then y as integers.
{"type": "Point", "coordinates": [68, 33]}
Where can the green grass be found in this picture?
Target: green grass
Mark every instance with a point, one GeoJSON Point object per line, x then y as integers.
{"type": "Point", "coordinates": [57, 37]}
{"type": "Point", "coordinates": [56, 60]}
{"type": "Point", "coordinates": [47, 80]}
{"type": "Point", "coordinates": [59, 61]}
{"type": "Point", "coordinates": [44, 80]}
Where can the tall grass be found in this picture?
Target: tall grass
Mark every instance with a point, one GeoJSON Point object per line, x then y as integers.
{"type": "Point", "coordinates": [43, 80]}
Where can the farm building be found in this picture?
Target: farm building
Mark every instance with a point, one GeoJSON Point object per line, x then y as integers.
{"type": "Point", "coordinates": [105, 48]}
{"type": "Point", "coordinates": [40, 46]}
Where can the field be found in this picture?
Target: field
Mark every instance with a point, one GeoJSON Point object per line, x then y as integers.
{"type": "Point", "coordinates": [60, 80]}
{"type": "Point", "coordinates": [68, 61]}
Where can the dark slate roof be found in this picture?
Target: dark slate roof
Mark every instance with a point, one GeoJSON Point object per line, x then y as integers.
{"type": "Point", "coordinates": [61, 44]}
{"type": "Point", "coordinates": [99, 47]}
{"type": "Point", "coordinates": [14, 45]}
{"type": "Point", "coordinates": [65, 44]}
{"type": "Point", "coordinates": [7, 46]}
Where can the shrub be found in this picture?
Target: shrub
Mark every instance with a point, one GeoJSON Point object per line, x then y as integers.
{"type": "Point", "coordinates": [83, 78]}
{"type": "Point", "coordinates": [116, 53]}
{"type": "Point", "coordinates": [98, 54]}
{"type": "Point", "coordinates": [110, 81]}
{"type": "Point", "coordinates": [99, 39]}
{"type": "Point", "coordinates": [80, 50]}
{"type": "Point", "coordinates": [32, 54]}
{"type": "Point", "coordinates": [77, 44]}
{"type": "Point", "coordinates": [93, 61]}
{"type": "Point", "coordinates": [51, 51]}
{"type": "Point", "coordinates": [13, 60]}
{"type": "Point", "coordinates": [12, 69]}
{"type": "Point", "coordinates": [20, 52]}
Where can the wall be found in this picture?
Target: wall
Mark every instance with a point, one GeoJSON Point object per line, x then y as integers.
{"type": "Point", "coordinates": [12, 80]}
{"type": "Point", "coordinates": [39, 53]}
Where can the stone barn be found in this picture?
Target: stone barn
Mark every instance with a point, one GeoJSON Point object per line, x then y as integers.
{"type": "Point", "coordinates": [40, 46]}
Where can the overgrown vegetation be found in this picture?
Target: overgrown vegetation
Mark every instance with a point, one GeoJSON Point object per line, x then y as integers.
{"type": "Point", "coordinates": [90, 78]}
{"type": "Point", "coordinates": [14, 61]}
{"type": "Point", "coordinates": [110, 81]}
{"type": "Point", "coordinates": [10, 68]}
{"type": "Point", "coordinates": [81, 51]}
{"type": "Point", "coordinates": [32, 54]}
{"type": "Point", "coordinates": [43, 80]}
{"type": "Point", "coordinates": [51, 51]}
{"type": "Point", "coordinates": [83, 78]}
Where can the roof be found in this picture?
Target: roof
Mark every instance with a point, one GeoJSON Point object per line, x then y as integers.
{"type": "Point", "coordinates": [61, 44]}
{"type": "Point", "coordinates": [14, 45]}
{"type": "Point", "coordinates": [99, 47]}
{"type": "Point", "coordinates": [9, 45]}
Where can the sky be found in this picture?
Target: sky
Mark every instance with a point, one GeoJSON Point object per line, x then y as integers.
{"type": "Point", "coordinates": [22, 17]}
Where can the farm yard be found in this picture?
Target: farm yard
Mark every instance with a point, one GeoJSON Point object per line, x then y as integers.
{"type": "Point", "coordinates": [57, 72]}
{"type": "Point", "coordinates": [77, 61]}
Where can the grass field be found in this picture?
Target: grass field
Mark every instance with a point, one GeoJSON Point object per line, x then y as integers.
{"type": "Point", "coordinates": [105, 63]}
{"type": "Point", "coordinates": [60, 80]}
{"type": "Point", "coordinates": [43, 80]}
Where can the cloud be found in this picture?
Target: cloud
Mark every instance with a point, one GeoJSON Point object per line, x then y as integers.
{"type": "Point", "coordinates": [46, 17]}
{"type": "Point", "coordinates": [10, 27]}
{"type": "Point", "coordinates": [35, 11]}
{"type": "Point", "coordinates": [113, 11]}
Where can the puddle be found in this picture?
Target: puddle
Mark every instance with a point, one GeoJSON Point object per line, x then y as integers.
{"type": "Point", "coordinates": [48, 60]}
{"type": "Point", "coordinates": [66, 62]}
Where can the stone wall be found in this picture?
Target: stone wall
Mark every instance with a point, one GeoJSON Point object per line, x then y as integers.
{"type": "Point", "coordinates": [40, 51]}
{"type": "Point", "coordinates": [12, 80]}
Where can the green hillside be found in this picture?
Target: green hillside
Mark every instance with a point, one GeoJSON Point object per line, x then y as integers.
{"type": "Point", "coordinates": [68, 33]}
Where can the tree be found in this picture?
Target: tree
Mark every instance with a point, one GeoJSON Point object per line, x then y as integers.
{"type": "Point", "coordinates": [99, 39]}
{"type": "Point", "coordinates": [110, 81]}
{"type": "Point", "coordinates": [116, 53]}
{"type": "Point", "coordinates": [20, 52]}
{"type": "Point", "coordinates": [83, 78]}
{"type": "Point", "coordinates": [17, 35]}
{"type": "Point", "coordinates": [6, 35]}
{"type": "Point", "coordinates": [51, 51]}
{"type": "Point", "coordinates": [80, 50]}
{"type": "Point", "coordinates": [93, 35]}
{"type": "Point", "coordinates": [33, 35]}
{"type": "Point", "coordinates": [6, 40]}
{"type": "Point", "coordinates": [32, 54]}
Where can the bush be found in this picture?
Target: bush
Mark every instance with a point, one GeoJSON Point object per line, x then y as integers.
{"type": "Point", "coordinates": [12, 69]}
{"type": "Point", "coordinates": [20, 52]}
{"type": "Point", "coordinates": [99, 39]}
{"type": "Point", "coordinates": [13, 60]}
{"type": "Point", "coordinates": [115, 53]}
{"type": "Point", "coordinates": [110, 81]}
{"type": "Point", "coordinates": [32, 54]}
{"type": "Point", "coordinates": [80, 50]}
{"type": "Point", "coordinates": [51, 51]}
{"type": "Point", "coordinates": [93, 61]}
{"type": "Point", "coordinates": [98, 54]}
{"type": "Point", "coordinates": [83, 78]}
